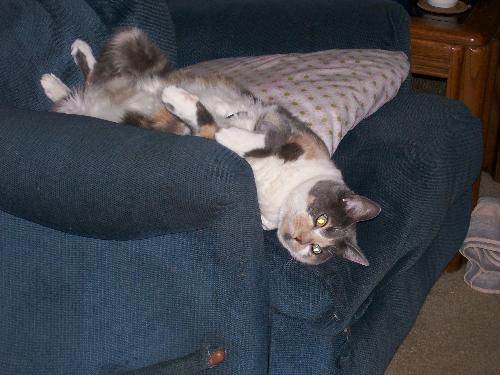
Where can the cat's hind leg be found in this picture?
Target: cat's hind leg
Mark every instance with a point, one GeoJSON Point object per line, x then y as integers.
{"type": "Point", "coordinates": [83, 57]}
{"type": "Point", "coordinates": [189, 109]}
{"type": "Point", "coordinates": [54, 88]}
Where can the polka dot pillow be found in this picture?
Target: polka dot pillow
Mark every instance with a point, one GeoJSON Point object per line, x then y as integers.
{"type": "Point", "coordinates": [331, 91]}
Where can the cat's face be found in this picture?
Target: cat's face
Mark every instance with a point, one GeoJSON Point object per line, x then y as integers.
{"type": "Point", "coordinates": [319, 220]}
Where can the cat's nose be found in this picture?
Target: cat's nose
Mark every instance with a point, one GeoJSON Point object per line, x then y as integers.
{"type": "Point", "coordinates": [299, 238]}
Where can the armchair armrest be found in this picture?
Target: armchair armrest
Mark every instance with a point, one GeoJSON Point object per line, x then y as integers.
{"type": "Point", "coordinates": [216, 29]}
{"type": "Point", "coordinates": [89, 177]}
{"type": "Point", "coordinates": [416, 156]}
{"type": "Point", "coordinates": [157, 252]}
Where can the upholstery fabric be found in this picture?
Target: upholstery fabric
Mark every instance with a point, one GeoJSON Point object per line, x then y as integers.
{"type": "Point", "coordinates": [213, 29]}
{"type": "Point", "coordinates": [84, 176]}
{"type": "Point", "coordinates": [37, 35]}
{"type": "Point", "coordinates": [77, 305]}
{"type": "Point", "coordinates": [373, 338]}
{"type": "Point", "coordinates": [405, 3]}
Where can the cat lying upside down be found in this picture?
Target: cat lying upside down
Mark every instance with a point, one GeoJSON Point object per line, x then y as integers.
{"type": "Point", "coordinates": [301, 192]}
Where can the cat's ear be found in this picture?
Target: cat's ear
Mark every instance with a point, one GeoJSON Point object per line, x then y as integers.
{"type": "Point", "coordinates": [354, 254]}
{"type": "Point", "coordinates": [360, 208]}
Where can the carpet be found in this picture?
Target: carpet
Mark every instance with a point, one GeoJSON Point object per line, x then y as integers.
{"type": "Point", "coordinates": [458, 329]}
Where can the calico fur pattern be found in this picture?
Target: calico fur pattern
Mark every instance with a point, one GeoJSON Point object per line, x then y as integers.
{"type": "Point", "coordinates": [301, 192]}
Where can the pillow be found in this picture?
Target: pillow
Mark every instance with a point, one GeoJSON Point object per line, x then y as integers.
{"type": "Point", "coordinates": [331, 91]}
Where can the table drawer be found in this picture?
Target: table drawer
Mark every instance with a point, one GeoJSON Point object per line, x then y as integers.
{"type": "Point", "coordinates": [430, 58]}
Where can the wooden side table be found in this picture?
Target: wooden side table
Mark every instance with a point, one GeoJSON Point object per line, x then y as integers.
{"type": "Point", "coordinates": [492, 115]}
{"type": "Point", "coordinates": [496, 134]}
{"type": "Point", "coordinates": [466, 55]}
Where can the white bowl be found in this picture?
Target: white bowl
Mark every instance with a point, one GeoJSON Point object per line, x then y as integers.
{"type": "Point", "coordinates": [443, 3]}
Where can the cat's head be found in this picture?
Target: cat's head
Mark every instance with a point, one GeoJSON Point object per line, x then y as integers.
{"type": "Point", "coordinates": [318, 222]}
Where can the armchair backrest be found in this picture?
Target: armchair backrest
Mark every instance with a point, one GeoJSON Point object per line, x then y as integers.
{"type": "Point", "coordinates": [211, 29]}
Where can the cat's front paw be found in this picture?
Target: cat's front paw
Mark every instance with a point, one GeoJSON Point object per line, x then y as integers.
{"type": "Point", "coordinates": [234, 139]}
{"type": "Point", "coordinates": [225, 137]}
{"type": "Point", "coordinates": [54, 88]}
{"type": "Point", "coordinates": [267, 224]}
{"type": "Point", "coordinates": [181, 103]}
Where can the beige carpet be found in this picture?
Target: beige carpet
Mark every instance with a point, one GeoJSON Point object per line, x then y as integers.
{"type": "Point", "coordinates": [458, 329]}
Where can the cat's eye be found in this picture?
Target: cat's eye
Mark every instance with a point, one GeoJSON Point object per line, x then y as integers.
{"type": "Point", "coordinates": [316, 249]}
{"type": "Point", "coordinates": [321, 220]}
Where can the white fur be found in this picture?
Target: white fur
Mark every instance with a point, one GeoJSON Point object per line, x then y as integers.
{"type": "Point", "coordinates": [283, 187]}
{"type": "Point", "coordinates": [83, 47]}
{"type": "Point", "coordinates": [239, 140]}
{"type": "Point", "coordinates": [94, 101]}
{"type": "Point", "coordinates": [54, 88]}
{"type": "Point", "coordinates": [183, 103]}
{"type": "Point", "coordinates": [223, 100]}
{"type": "Point", "coordinates": [303, 255]}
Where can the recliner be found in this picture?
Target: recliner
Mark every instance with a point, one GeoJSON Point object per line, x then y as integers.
{"type": "Point", "coordinates": [123, 247]}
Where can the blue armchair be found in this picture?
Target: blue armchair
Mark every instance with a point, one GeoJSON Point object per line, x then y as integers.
{"type": "Point", "coordinates": [123, 248]}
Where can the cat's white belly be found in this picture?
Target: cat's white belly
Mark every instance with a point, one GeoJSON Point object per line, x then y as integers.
{"type": "Point", "coordinates": [97, 102]}
{"type": "Point", "coordinates": [272, 188]}
{"type": "Point", "coordinates": [276, 179]}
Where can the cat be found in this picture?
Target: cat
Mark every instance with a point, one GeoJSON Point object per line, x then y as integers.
{"type": "Point", "coordinates": [301, 192]}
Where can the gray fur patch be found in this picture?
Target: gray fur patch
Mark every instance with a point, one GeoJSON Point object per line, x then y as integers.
{"type": "Point", "coordinates": [327, 199]}
{"type": "Point", "coordinates": [130, 52]}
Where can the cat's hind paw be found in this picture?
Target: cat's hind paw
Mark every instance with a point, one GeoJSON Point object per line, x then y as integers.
{"type": "Point", "coordinates": [83, 57]}
{"type": "Point", "coordinates": [54, 88]}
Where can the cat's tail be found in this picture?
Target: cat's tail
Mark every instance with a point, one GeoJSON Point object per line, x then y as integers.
{"type": "Point", "coordinates": [131, 53]}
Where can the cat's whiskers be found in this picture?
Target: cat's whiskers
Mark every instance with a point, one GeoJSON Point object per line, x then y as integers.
{"type": "Point", "coordinates": [328, 249]}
